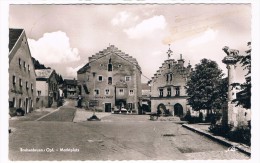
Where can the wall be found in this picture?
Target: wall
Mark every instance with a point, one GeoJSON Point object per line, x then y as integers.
{"type": "Point", "coordinates": [120, 69]}
{"type": "Point", "coordinates": [26, 95]}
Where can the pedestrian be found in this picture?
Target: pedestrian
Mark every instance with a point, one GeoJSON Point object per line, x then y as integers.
{"type": "Point", "coordinates": [79, 101]}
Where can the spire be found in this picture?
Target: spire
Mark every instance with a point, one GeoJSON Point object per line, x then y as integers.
{"type": "Point", "coordinates": [169, 52]}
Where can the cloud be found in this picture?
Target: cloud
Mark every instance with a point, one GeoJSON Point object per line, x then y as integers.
{"type": "Point", "coordinates": [72, 72]}
{"type": "Point", "coordinates": [146, 27]}
{"type": "Point", "coordinates": [123, 18]}
{"type": "Point", "coordinates": [53, 48]}
{"type": "Point", "coordinates": [205, 37]}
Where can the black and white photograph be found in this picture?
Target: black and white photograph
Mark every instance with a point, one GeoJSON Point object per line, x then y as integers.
{"type": "Point", "coordinates": [130, 80]}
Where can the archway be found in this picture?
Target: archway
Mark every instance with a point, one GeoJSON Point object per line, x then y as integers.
{"type": "Point", "coordinates": [161, 109]}
{"type": "Point", "coordinates": [178, 110]}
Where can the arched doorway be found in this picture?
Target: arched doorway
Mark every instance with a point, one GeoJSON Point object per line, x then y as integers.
{"type": "Point", "coordinates": [161, 109]}
{"type": "Point", "coordinates": [178, 110]}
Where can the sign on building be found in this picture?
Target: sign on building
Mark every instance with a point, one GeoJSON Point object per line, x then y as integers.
{"type": "Point", "coordinates": [93, 103]}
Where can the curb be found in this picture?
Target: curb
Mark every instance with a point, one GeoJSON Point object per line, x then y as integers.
{"type": "Point", "coordinates": [219, 139]}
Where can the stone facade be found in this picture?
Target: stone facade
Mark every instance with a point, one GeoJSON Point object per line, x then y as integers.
{"type": "Point", "coordinates": [22, 87]}
{"type": "Point", "coordinates": [46, 88]}
{"type": "Point", "coordinates": [116, 79]}
{"type": "Point", "coordinates": [168, 88]}
{"type": "Point", "coordinates": [70, 88]}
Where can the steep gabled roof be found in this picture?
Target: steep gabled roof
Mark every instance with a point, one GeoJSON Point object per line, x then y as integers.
{"type": "Point", "coordinates": [14, 35]}
{"type": "Point", "coordinates": [70, 81]}
{"type": "Point", "coordinates": [109, 50]}
{"type": "Point", "coordinates": [43, 73]}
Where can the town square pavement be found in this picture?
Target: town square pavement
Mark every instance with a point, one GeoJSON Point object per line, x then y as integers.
{"type": "Point", "coordinates": [65, 134]}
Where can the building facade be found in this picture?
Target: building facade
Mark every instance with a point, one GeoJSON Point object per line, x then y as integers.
{"type": "Point", "coordinates": [22, 92]}
{"type": "Point", "coordinates": [111, 80]}
{"type": "Point", "coordinates": [47, 90]}
{"type": "Point", "coordinates": [168, 87]}
{"type": "Point", "coordinates": [70, 88]}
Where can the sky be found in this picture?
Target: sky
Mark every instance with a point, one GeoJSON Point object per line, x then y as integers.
{"type": "Point", "coordinates": [64, 36]}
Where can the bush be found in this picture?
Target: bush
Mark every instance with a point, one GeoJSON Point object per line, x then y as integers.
{"type": "Point", "coordinates": [219, 129]}
{"type": "Point", "coordinates": [240, 134]}
{"type": "Point", "coordinates": [20, 112]}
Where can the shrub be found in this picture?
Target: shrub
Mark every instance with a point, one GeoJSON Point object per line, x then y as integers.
{"type": "Point", "coordinates": [20, 112]}
{"type": "Point", "coordinates": [240, 134]}
{"type": "Point", "coordinates": [219, 129]}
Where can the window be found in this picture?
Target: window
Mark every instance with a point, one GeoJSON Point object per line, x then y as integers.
{"type": "Point", "coordinates": [24, 65]}
{"type": "Point", "coordinates": [121, 91]}
{"type": "Point", "coordinates": [166, 77]}
{"type": "Point", "coordinates": [20, 82]}
{"type": "Point", "coordinates": [127, 78]}
{"type": "Point", "coordinates": [177, 91]}
{"type": "Point", "coordinates": [109, 67]}
{"type": "Point", "coordinates": [20, 62]}
{"type": "Point", "coordinates": [169, 92]}
{"type": "Point", "coordinates": [39, 93]}
{"type": "Point", "coordinates": [161, 92]}
{"type": "Point", "coordinates": [20, 103]}
{"type": "Point", "coordinates": [14, 79]}
{"type": "Point", "coordinates": [169, 66]}
{"type": "Point", "coordinates": [100, 78]}
{"type": "Point", "coordinates": [170, 77]}
{"type": "Point", "coordinates": [32, 87]}
{"type": "Point", "coordinates": [107, 92]}
{"type": "Point", "coordinates": [29, 68]}
{"type": "Point", "coordinates": [14, 102]}
{"type": "Point", "coordinates": [26, 85]}
{"type": "Point", "coordinates": [109, 80]}
{"type": "Point", "coordinates": [96, 92]}
{"type": "Point", "coordinates": [131, 92]}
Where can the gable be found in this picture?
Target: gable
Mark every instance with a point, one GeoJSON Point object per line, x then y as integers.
{"type": "Point", "coordinates": [117, 57]}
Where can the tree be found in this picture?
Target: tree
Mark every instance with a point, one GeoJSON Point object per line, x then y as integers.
{"type": "Point", "coordinates": [206, 88]}
{"type": "Point", "coordinates": [244, 96]}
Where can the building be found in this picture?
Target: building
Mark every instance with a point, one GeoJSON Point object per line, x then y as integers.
{"type": "Point", "coordinates": [47, 90]}
{"type": "Point", "coordinates": [22, 85]}
{"type": "Point", "coordinates": [146, 93]}
{"type": "Point", "coordinates": [168, 87]}
{"type": "Point", "coordinates": [70, 88]}
{"type": "Point", "coordinates": [111, 79]}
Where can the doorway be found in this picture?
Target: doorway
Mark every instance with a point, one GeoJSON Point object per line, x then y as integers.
{"type": "Point", "coordinates": [107, 107]}
{"type": "Point", "coordinates": [178, 110]}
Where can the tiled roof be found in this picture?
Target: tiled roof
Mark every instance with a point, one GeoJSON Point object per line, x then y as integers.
{"type": "Point", "coordinates": [14, 35]}
{"type": "Point", "coordinates": [70, 81]}
{"type": "Point", "coordinates": [43, 73]}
